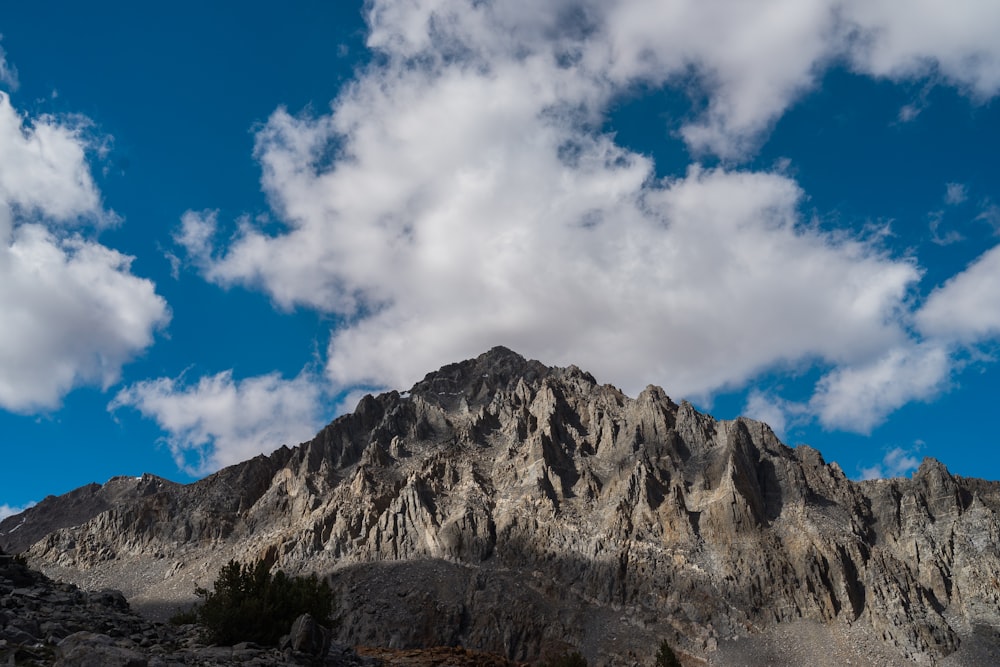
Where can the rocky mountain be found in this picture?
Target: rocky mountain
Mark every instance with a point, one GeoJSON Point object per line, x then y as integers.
{"type": "Point", "coordinates": [506, 506]}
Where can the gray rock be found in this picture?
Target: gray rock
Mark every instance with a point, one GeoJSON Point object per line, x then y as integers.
{"type": "Point", "coordinates": [111, 598]}
{"type": "Point", "coordinates": [87, 649]}
{"type": "Point", "coordinates": [15, 635]}
{"type": "Point", "coordinates": [215, 653]}
{"type": "Point", "coordinates": [309, 637]}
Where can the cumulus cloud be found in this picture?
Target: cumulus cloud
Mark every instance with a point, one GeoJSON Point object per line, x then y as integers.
{"type": "Point", "coordinates": [459, 194]}
{"type": "Point", "coordinates": [552, 258]}
{"type": "Point", "coordinates": [857, 398]}
{"type": "Point", "coordinates": [8, 510]}
{"type": "Point", "coordinates": [44, 170]}
{"type": "Point", "coordinates": [967, 307]}
{"type": "Point", "coordinates": [953, 41]}
{"type": "Point", "coordinates": [219, 420]}
{"type": "Point", "coordinates": [195, 235]}
{"type": "Point", "coordinates": [897, 462]}
{"type": "Point", "coordinates": [73, 313]}
{"type": "Point", "coordinates": [752, 61]}
{"type": "Point", "coordinates": [770, 409]}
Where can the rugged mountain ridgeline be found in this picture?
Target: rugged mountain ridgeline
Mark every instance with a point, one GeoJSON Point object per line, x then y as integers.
{"type": "Point", "coordinates": [520, 509]}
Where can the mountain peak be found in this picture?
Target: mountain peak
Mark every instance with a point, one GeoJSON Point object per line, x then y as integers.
{"type": "Point", "coordinates": [498, 368]}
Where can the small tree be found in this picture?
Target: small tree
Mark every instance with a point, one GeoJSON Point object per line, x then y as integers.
{"type": "Point", "coordinates": [247, 603]}
{"type": "Point", "coordinates": [665, 657]}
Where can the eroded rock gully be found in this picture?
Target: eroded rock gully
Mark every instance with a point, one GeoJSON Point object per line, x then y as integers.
{"type": "Point", "coordinates": [506, 506]}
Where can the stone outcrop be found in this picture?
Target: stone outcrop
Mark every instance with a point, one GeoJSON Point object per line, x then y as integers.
{"type": "Point", "coordinates": [515, 508]}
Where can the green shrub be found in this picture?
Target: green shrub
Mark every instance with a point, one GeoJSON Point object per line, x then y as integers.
{"type": "Point", "coordinates": [247, 603]}
{"type": "Point", "coordinates": [185, 617]}
{"type": "Point", "coordinates": [665, 657]}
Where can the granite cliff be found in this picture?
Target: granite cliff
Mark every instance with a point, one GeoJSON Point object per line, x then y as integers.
{"type": "Point", "coordinates": [503, 505]}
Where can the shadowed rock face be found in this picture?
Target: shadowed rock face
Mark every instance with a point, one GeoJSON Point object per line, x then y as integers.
{"type": "Point", "coordinates": [511, 507]}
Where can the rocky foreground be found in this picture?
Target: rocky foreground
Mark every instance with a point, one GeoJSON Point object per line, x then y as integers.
{"type": "Point", "coordinates": [43, 622]}
{"type": "Point", "coordinates": [523, 510]}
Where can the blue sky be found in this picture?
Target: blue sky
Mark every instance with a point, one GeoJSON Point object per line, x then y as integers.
{"type": "Point", "coordinates": [221, 223]}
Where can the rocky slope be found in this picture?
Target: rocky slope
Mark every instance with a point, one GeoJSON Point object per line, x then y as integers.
{"type": "Point", "coordinates": [43, 622]}
{"type": "Point", "coordinates": [515, 508]}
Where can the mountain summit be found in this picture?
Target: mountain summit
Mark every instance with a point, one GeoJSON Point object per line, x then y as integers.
{"type": "Point", "coordinates": [507, 506]}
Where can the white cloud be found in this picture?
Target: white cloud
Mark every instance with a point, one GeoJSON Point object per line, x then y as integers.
{"type": "Point", "coordinates": [955, 41]}
{"type": "Point", "coordinates": [938, 237]}
{"type": "Point", "coordinates": [753, 60]}
{"type": "Point", "coordinates": [872, 472]}
{"type": "Point", "coordinates": [73, 313]}
{"type": "Point", "coordinates": [552, 258]}
{"type": "Point", "coordinates": [967, 307]}
{"type": "Point", "coordinates": [195, 234]}
{"type": "Point", "coordinates": [8, 510]}
{"type": "Point", "coordinates": [770, 409]}
{"type": "Point", "coordinates": [955, 193]}
{"type": "Point", "coordinates": [858, 397]}
{"type": "Point", "coordinates": [990, 214]}
{"type": "Point", "coordinates": [458, 196]}
{"type": "Point", "coordinates": [8, 73]}
{"type": "Point", "coordinates": [749, 61]}
{"type": "Point", "coordinates": [220, 421]}
{"type": "Point", "coordinates": [44, 170]}
{"type": "Point", "coordinates": [909, 112]}
{"type": "Point", "coordinates": [897, 462]}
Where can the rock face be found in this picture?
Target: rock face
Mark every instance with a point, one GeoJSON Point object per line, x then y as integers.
{"type": "Point", "coordinates": [76, 507]}
{"type": "Point", "coordinates": [514, 508]}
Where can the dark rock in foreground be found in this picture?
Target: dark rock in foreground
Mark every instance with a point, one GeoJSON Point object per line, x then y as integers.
{"type": "Point", "coordinates": [43, 622]}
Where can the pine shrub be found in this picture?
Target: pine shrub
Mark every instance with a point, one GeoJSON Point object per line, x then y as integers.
{"type": "Point", "coordinates": [666, 657]}
{"type": "Point", "coordinates": [247, 603]}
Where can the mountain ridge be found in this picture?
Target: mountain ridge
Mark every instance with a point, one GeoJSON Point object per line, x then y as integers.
{"type": "Point", "coordinates": [506, 505]}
